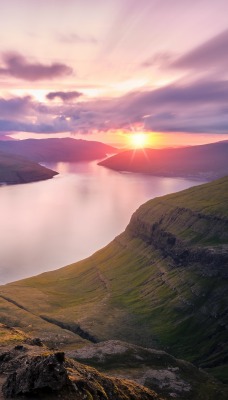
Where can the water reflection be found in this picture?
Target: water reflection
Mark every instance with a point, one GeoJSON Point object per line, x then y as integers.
{"type": "Point", "coordinates": [50, 224]}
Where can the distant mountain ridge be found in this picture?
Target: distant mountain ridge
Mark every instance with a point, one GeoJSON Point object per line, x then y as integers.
{"type": "Point", "coordinates": [209, 161]}
{"type": "Point", "coordinates": [15, 169]}
{"type": "Point", "coordinates": [54, 150]}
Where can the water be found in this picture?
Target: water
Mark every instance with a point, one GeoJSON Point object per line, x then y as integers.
{"type": "Point", "coordinates": [49, 224]}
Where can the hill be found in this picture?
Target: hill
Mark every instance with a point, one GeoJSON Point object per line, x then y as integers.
{"type": "Point", "coordinates": [15, 169]}
{"type": "Point", "coordinates": [208, 161]}
{"type": "Point", "coordinates": [161, 284]}
{"type": "Point", "coordinates": [53, 150]}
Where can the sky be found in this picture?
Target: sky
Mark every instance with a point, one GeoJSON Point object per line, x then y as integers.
{"type": "Point", "coordinates": [104, 69]}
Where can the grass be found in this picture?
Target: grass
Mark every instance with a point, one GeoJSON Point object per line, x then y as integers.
{"type": "Point", "coordinates": [11, 336]}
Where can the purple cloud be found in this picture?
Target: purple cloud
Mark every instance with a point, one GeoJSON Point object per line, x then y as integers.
{"type": "Point", "coordinates": [197, 107]}
{"type": "Point", "coordinates": [19, 67]}
{"type": "Point", "coordinates": [15, 106]}
{"type": "Point", "coordinates": [196, 93]}
{"type": "Point", "coordinates": [213, 53]}
{"type": "Point", "coordinates": [64, 96]}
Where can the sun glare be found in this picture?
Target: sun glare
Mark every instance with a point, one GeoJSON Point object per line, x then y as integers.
{"type": "Point", "coordinates": [138, 139]}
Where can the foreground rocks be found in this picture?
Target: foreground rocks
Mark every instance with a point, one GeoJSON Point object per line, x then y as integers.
{"type": "Point", "coordinates": [34, 372]}
{"type": "Point", "coordinates": [155, 369]}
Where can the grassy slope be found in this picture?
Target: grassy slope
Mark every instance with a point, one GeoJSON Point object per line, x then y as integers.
{"type": "Point", "coordinates": [130, 291]}
{"type": "Point", "coordinates": [210, 198]}
{"type": "Point", "coordinates": [15, 169]}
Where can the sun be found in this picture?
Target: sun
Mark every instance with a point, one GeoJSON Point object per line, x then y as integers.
{"type": "Point", "coordinates": [138, 139]}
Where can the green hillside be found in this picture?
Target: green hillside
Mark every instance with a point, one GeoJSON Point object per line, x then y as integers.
{"type": "Point", "coordinates": [161, 284]}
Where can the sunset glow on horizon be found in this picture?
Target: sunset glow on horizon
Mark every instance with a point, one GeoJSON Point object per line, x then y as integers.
{"type": "Point", "coordinates": [139, 139]}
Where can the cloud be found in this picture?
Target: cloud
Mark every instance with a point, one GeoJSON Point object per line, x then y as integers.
{"type": "Point", "coordinates": [192, 94]}
{"type": "Point", "coordinates": [192, 122]}
{"type": "Point", "coordinates": [18, 66]}
{"type": "Point", "coordinates": [196, 107]}
{"type": "Point", "coordinates": [15, 106]}
{"type": "Point", "coordinates": [199, 106]}
{"type": "Point", "coordinates": [210, 54]}
{"type": "Point", "coordinates": [64, 96]}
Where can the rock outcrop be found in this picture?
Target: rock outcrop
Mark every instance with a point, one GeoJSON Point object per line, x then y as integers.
{"type": "Point", "coordinates": [211, 260]}
{"type": "Point", "coordinates": [40, 374]}
{"type": "Point", "coordinates": [155, 369]}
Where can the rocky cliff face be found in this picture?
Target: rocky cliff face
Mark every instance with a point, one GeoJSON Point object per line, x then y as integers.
{"type": "Point", "coordinates": [167, 233]}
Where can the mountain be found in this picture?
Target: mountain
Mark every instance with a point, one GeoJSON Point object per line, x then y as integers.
{"type": "Point", "coordinates": [207, 161]}
{"type": "Point", "coordinates": [15, 169]}
{"type": "Point", "coordinates": [53, 150]}
{"type": "Point", "coordinates": [162, 284]}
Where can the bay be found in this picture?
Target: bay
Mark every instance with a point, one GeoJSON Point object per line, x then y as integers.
{"type": "Point", "coordinates": [50, 224]}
